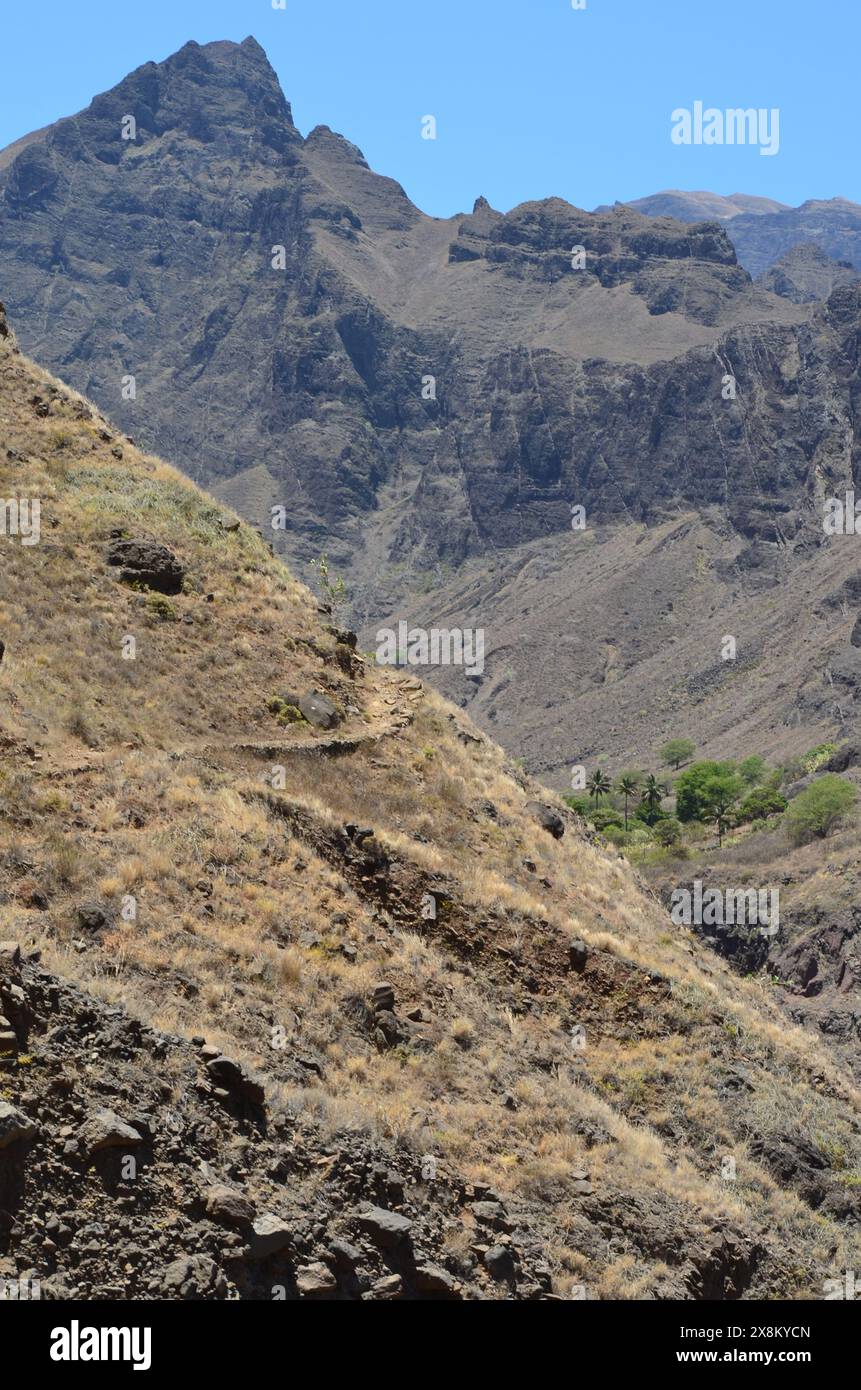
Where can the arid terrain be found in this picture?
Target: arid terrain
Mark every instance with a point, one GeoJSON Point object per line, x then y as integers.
{"type": "Point", "coordinates": [341, 1004]}
{"type": "Point", "coordinates": [424, 400]}
{"type": "Point", "coordinates": [330, 977]}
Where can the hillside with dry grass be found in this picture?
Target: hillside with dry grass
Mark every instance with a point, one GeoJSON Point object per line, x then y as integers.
{"type": "Point", "coordinates": [373, 1014]}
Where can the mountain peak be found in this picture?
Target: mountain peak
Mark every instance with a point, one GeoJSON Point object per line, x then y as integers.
{"type": "Point", "coordinates": [220, 92]}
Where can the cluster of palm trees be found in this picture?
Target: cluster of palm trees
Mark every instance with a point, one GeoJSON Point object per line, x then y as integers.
{"type": "Point", "coordinates": [651, 792]}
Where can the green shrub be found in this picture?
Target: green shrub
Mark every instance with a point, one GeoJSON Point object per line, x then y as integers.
{"type": "Point", "coordinates": [692, 802]}
{"type": "Point", "coordinates": [668, 832]}
{"type": "Point", "coordinates": [814, 759]}
{"type": "Point", "coordinates": [638, 835]}
{"type": "Point", "coordinates": [161, 608]}
{"type": "Point", "coordinates": [678, 751]}
{"type": "Point", "coordinates": [753, 770]}
{"type": "Point", "coordinates": [284, 711]}
{"type": "Point", "coordinates": [759, 804]}
{"type": "Point", "coordinates": [817, 810]}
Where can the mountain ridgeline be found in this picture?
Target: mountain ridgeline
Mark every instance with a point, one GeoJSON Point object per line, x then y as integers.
{"type": "Point", "coordinates": [426, 400]}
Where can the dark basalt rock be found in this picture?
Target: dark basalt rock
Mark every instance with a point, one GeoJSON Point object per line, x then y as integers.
{"type": "Point", "coordinates": [547, 818]}
{"type": "Point", "coordinates": [146, 563]}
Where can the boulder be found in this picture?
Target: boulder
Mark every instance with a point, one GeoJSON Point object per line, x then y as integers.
{"type": "Point", "coordinates": [389, 1031]}
{"type": "Point", "coordinates": [547, 818]}
{"type": "Point", "coordinates": [432, 1279]}
{"type": "Point", "coordinates": [269, 1234]}
{"type": "Point", "coordinates": [499, 1262]}
{"type": "Point", "coordinates": [14, 1125]}
{"type": "Point", "coordinates": [194, 1277]}
{"type": "Point", "coordinates": [92, 916]}
{"type": "Point", "coordinates": [383, 998]}
{"type": "Point", "coordinates": [315, 1281]}
{"type": "Point", "coordinates": [388, 1229]}
{"type": "Point", "coordinates": [319, 710]}
{"type": "Point", "coordinates": [105, 1130]}
{"type": "Point", "coordinates": [491, 1214]}
{"type": "Point", "coordinates": [146, 562]}
{"type": "Point", "coordinates": [230, 1076]}
{"type": "Point", "coordinates": [344, 1255]}
{"type": "Point", "coordinates": [10, 957]}
{"type": "Point", "coordinates": [390, 1286]}
{"type": "Point", "coordinates": [577, 956]}
{"type": "Point", "coordinates": [227, 1206]}
{"type": "Point", "coordinates": [846, 756]}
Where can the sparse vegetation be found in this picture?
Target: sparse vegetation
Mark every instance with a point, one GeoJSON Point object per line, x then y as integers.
{"type": "Point", "coordinates": [265, 903]}
{"type": "Point", "coordinates": [815, 812]}
{"type": "Point", "coordinates": [678, 751]}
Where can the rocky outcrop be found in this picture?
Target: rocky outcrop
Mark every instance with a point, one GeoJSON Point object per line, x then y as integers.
{"type": "Point", "coordinates": [806, 275]}
{"type": "Point", "coordinates": [763, 231]}
{"type": "Point", "coordinates": [146, 563]}
{"type": "Point", "coordinates": [94, 1161]}
{"type": "Point", "coordinates": [273, 363]}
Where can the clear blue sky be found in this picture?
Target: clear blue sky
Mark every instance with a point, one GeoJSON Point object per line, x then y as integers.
{"type": "Point", "coordinates": [532, 98]}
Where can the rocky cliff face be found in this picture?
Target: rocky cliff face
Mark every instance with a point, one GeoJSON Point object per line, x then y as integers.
{"type": "Point", "coordinates": [152, 257]}
{"type": "Point", "coordinates": [427, 399]}
{"type": "Point", "coordinates": [806, 274]}
{"type": "Point", "coordinates": [763, 231]}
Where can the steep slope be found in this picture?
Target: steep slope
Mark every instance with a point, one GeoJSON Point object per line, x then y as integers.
{"type": "Point", "coordinates": [806, 274]}
{"type": "Point", "coordinates": [812, 963]}
{"type": "Point", "coordinates": [426, 400]}
{"type": "Point", "coordinates": [602, 643]}
{"type": "Point", "coordinates": [152, 257]}
{"type": "Point", "coordinates": [327, 1006]}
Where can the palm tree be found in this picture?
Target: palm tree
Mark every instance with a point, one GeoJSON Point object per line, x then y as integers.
{"type": "Point", "coordinates": [653, 794]}
{"type": "Point", "coordinates": [599, 784]}
{"type": "Point", "coordinates": [720, 793]}
{"type": "Point", "coordinates": [627, 784]}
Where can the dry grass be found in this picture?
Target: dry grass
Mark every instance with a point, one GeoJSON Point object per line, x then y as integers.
{"type": "Point", "coordinates": [240, 927]}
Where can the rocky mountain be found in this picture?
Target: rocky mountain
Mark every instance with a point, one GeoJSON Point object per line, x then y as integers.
{"type": "Point", "coordinates": [763, 231]}
{"type": "Point", "coordinates": [702, 206]}
{"type": "Point", "coordinates": [832, 224]}
{"type": "Point", "coordinates": [806, 275]}
{"type": "Point", "coordinates": [306, 990]}
{"type": "Point", "coordinates": [428, 401]}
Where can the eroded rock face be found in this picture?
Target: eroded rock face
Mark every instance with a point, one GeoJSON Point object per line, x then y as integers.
{"type": "Point", "coordinates": [6, 333]}
{"type": "Point", "coordinates": [805, 274]}
{"type": "Point", "coordinates": [414, 429]}
{"type": "Point", "coordinates": [317, 390]}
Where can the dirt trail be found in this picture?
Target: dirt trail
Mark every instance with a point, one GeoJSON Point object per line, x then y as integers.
{"type": "Point", "coordinates": [386, 715]}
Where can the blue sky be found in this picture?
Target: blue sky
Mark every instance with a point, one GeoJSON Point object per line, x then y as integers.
{"type": "Point", "coordinates": [532, 98]}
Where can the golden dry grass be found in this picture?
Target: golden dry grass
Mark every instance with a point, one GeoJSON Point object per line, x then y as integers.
{"type": "Point", "coordinates": [125, 780]}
